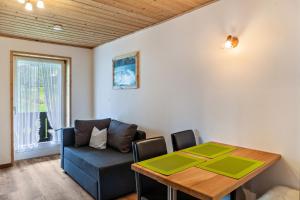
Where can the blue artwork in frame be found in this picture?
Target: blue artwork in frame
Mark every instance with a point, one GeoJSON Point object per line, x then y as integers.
{"type": "Point", "coordinates": [126, 71]}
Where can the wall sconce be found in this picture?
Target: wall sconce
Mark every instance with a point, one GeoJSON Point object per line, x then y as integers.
{"type": "Point", "coordinates": [231, 42]}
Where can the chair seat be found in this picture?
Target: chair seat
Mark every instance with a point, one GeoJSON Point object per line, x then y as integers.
{"type": "Point", "coordinates": [92, 160]}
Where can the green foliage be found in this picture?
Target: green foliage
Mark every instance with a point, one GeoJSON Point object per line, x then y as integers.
{"type": "Point", "coordinates": [42, 103]}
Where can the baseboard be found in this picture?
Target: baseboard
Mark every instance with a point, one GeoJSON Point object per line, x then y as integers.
{"type": "Point", "coordinates": [5, 165]}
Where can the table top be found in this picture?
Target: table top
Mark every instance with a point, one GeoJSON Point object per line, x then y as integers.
{"type": "Point", "coordinates": [208, 185]}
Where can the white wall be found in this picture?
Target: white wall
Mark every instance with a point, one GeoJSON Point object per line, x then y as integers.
{"type": "Point", "coordinates": [82, 83]}
{"type": "Point", "coordinates": [249, 96]}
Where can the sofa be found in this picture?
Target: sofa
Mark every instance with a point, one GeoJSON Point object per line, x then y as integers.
{"type": "Point", "coordinates": [105, 174]}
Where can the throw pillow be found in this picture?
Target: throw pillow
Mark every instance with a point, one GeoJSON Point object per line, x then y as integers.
{"type": "Point", "coordinates": [84, 128]}
{"type": "Point", "coordinates": [120, 135]}
{"type": "Point", "coordinates": [98, 138]}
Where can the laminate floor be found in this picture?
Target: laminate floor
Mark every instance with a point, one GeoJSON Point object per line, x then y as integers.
{"type": "Point", "coordinates": [41, 179]}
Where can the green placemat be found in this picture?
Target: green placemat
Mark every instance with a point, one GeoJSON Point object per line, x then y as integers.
{"type": "Point", "coordinates": [209, 150]}
{"type": "Point", "coordinates": [231, 166]}
{"type": "Point", "coordinates": [171, 163]}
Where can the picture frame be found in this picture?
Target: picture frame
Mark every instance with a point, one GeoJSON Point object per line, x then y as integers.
{"type": "Point", "coordinates": [125, 71]}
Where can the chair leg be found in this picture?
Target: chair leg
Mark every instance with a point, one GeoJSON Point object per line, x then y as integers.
{"type": "Point", "coordinates": [233, 195]}
{"type": "Point", "coordinates": [172, 193]}
{"type": "Point", "coordinates": [137, 186]}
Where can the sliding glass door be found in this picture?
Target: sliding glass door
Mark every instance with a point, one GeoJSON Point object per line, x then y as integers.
{"type": "Point", "coordinates": [40, 102]}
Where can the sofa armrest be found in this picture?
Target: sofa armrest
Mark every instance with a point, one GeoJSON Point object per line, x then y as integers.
{"type": "Point", "coordinates": [68, 136]}
{"type": "Point", "coordinates": [67, 139]}
{"type": "Point", "coordinates": [140, 135]}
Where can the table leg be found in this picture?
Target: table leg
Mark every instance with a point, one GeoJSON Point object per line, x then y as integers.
{"type": "Point", "coordinates": [172, 193]}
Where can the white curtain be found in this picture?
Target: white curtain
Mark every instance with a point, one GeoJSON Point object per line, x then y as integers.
{"type": "Point", "coordinates": [27, 116]}
{"type": "Point", "coordinates": [51, 79]}
{"type": "Point", "coordinates": [30, 76]}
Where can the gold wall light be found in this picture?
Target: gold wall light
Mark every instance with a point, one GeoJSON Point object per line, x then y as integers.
{"type": "Point", "coordinates": [231, 42]}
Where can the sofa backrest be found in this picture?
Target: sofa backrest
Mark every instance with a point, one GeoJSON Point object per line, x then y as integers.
{"type": "Point", "coordinates": [84, 128]}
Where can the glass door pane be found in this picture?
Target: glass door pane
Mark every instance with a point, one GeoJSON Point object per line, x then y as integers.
{"type": "Point", "coordinates": [39, 101]}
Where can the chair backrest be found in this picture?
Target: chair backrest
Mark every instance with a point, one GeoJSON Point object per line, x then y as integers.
{"type": "Point", "coordinates": [143, 150]}
{"type": "Point", "coordinates": [149, 148]}
{"type": "Point", "coordinates": [183, 139]}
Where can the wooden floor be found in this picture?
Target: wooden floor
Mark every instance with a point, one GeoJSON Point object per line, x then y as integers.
{"type": "Point", "coordinates": [41, 179]}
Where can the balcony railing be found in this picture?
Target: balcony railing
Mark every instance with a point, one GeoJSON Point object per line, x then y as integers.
{"type": "Point", "coordinates": [46, 131]}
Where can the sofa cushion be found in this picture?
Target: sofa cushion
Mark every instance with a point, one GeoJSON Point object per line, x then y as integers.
{"type": "Point", "coordinates": [84, 128]}
{"type": "Point", "coordinates": [120, 135]}
{"type": "Point", "coordinates": [92, 160]}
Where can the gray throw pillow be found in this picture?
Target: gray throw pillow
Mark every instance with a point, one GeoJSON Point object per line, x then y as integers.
{"type": "Point", "coordinates": [120, 135]}
{"type": "Point", "coordinates": [84, 128]}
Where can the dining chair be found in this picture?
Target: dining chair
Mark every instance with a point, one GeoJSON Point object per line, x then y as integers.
{"type": "Point", "coordinates": [183, 139]}
{"type": "Point", "coordinates": [147, 188]}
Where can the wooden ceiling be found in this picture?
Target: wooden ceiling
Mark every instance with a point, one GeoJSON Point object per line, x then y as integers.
{"type": "Point", "coordinates": [87, 23]}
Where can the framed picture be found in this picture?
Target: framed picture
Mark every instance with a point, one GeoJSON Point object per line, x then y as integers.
{"type": "Point", "coordinates": [126, 71]}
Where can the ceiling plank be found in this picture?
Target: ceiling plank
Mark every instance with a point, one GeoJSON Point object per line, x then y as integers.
{"type": "Point", "coordinates": [42, 36]}
{"type": "Point", "coordinates": [36, 26]}
{"type": "Point", "coordinates": [19, 36]}
{"type": "Point", "coordinates": [88, 23]}
{"type": "Point", "coordinates": [58, 12]}
{"type": "Point", "coordinates": [88, 26]}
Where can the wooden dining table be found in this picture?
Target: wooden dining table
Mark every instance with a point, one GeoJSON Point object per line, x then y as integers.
{"type": "Point", "coordinates": [207, 185]}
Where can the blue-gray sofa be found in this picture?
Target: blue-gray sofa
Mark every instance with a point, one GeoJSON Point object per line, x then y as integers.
{"type": "Point", "coordinates": [104, 174]}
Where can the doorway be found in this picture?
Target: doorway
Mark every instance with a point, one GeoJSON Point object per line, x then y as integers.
{"type": "Point", "coordinates": [40, 103]}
